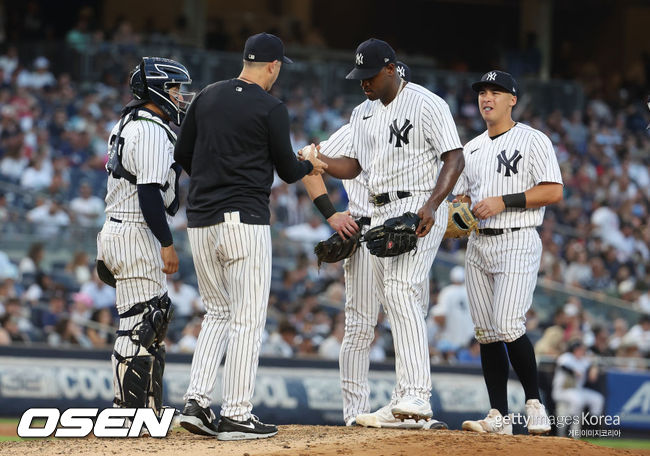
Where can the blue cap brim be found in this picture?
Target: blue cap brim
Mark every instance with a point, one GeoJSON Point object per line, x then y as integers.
{"type": "Point", "coordinates": [286, 59]}
{"type": "Point", "coordinates": [363, 73]}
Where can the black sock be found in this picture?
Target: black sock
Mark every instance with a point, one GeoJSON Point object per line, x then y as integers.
{"type": "Point", "coordinates": [494, 361]}
{"type": "Point", "coordinates": [522, 358]}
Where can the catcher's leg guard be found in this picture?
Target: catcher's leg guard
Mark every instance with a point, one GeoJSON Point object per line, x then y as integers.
{"type": "Point", "coordinates": [158, 353]}
{"type": "Point", "coordinates": [132, 380]}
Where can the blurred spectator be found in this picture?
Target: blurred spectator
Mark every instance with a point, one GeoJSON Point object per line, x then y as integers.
{"type": "Point", "coordinates": [552, 342]}
{"type": "Point", "coordinates": [639, 335]}
{"type": "Point", "coordinates": [9, 62]}
{"type": "Point", "coordinates": [102, 294]}
{"type": "Point", "coordinates": [331, 346]}
{"type": "Point", "coordinates": [38, 79]}
{"type": "Point", "coordinates": [281, 342]}
{"type": "Point", "coordinates": [471, 354]}
{"type": "Point", "coordinates": [53, 314]}
{"type": "Point", "coordinates": [31, 264]}
{"type": "Point", "coordinates": [103, 334]}
{"type": "Point", "coordinates": [310, 232]}
{"type": "Point", "coordinates": [187, 343]}
{"type": "Point", "coordinates": [451, 314]}
{"type": "Point", "coordinates": [67, 333]}
{"type": "Point", "coordinates": [49, 218]}
{"type": "Point", "coordinates": [81, 309]}
{"type": "Point", "coordinates": [79, 268]}
{"type": "Point", "coordinates": [86, 209]}
{"type": "Point", "coordinates": [601, 342]}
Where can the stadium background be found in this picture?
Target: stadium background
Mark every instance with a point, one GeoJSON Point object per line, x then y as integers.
{"type": "Point", "coordinates": [584, 67]}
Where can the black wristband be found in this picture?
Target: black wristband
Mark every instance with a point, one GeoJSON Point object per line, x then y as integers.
{"type": "Point", "coordinates": [324, 205]}
{"type": "Point", "coordinates": [515, 200]}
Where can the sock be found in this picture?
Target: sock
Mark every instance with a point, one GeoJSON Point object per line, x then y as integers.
{"type": "Point", "coordinates": [522, 358]}
{"type": "Point", "coordinates": [494, 360]}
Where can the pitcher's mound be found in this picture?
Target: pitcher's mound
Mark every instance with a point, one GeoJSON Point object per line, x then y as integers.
{"type": "Point", "coordinates": [321, 441]}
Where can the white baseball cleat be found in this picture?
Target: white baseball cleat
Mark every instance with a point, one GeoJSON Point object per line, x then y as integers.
{"type": "Point", "coordinates": [538, 422]}
{"type": "Point", "coordinates": [411, 407]}
{"type": "Point", "coordinates": [383, 418]}
{"type": "Point", "coordinates": [493, 423]}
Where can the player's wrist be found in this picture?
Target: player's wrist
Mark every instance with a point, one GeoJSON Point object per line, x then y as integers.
{"type": "Point", "coordinates": [515, 200]}
{"type": "Point", "coordinates": [324, 206]}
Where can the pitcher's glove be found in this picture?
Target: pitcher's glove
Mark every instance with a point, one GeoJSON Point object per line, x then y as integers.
{"type": "Point", "coordinates": [336, 249]}
{"type": "Point", "coordinates": [394, 237]}
{"type": "Point", "coordinates": [461, 222]}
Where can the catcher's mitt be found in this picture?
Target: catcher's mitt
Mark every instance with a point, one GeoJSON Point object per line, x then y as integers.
{"type": "Point", "coordinates": [336, 249]}
{"type": "Point", "coordinates": [394, 237]}
{"type": "Point", "coordinates": [461, 222]}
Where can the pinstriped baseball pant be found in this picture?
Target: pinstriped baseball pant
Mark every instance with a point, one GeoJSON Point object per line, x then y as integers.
{"type": "Point", "coordinates": [362, 300]}
{"type": "Point", "coordinates": [501, 274]}
{"type": "Point", "coordinates": [403, 277]}
{"type": "Point", "coordinates": [233, 267]}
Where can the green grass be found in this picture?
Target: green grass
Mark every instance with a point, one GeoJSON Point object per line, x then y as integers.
{"type": "Point", "coordinates": [4, 438]}
{"type": "Point", "coordinates": [622, 443]}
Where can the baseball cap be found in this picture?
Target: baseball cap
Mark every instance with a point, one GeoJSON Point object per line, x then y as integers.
{"type": "Point", "coordinates": [265, 47]}
{"type": "Point", "coordinates": [497, 78]}
{"type": "Point", "coordinates": [371, 56]}
{"type": "Point", "coordinates": [403, 70]}
{"type": "Point", "coordinates": [457, 274]}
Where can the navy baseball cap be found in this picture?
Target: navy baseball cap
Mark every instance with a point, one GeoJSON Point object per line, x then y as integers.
{"type": "Point", "coordinates": [403, 70]}
{"type": "Point", "coordinates": [265, 47]}
{"type": "Point", "coordinates": [497, 78]}
{"type": "Point", "coordinates": [371, 56]}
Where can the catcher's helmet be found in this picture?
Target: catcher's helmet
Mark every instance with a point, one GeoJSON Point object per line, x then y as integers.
{"type": "Point", "coordinates": [159, 75]}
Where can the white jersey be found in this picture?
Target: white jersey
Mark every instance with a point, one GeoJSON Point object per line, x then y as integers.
{"type": "Point", "coordinates": [400, 145]}
{"type": "Point", "coordinates": [357, 189]}
{"type": "Point", "coordinates": [513, 162]}
{"type": "Point", "coordinates": [147, 153]}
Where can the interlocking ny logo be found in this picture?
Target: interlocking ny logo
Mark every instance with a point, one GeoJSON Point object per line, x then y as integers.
{"type": "Point", "coordinates": [359, 59]}
{"type": "Point", "coordinates": [491, 76]}
{"type": "Point", "coordinates": [510, 164]}
{"type": "Point", "coordinates": [401, 71]}
{"type": "Point", "coordinates": [401, 134]}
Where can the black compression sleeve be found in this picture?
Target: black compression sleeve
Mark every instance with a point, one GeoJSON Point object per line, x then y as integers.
{"type": "Point", "coordinates": [153, 210]}
{"type": "Point", "coordinates": [289, 168]}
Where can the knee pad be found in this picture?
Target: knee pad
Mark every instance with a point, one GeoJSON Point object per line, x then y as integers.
{"type": "Point", "coordinates": [156, 314]}
{"type": "Point", "coordinates": [165, 306]}
{"type": "Point", "coordinates": [158, 353]}
{"type": "Point", "coordinates": [133, 378]}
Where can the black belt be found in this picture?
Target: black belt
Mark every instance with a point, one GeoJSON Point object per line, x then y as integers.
{"type": "Point", "coordinates": [113, 219]}
{"type": "Point", "coordinates": [385, 198]}
{"type": "Point", "coordinates": [363, 221]}
{"type": "Point", "coordinates": [496, 231]}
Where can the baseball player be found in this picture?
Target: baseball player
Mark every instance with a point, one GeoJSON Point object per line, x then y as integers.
{"type": "Point", "coordinates": [363, 298]}
{"type": "Point", "coordinates": [511, 173]}
{"type": "Point", "coordinates": [135, 245]}
{"type": "Point", "coordinates": [234, 135]}
{"type": "Point", "coordinates": [399, 139]}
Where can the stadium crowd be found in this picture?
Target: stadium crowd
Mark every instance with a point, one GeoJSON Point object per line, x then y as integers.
{"type": "Point", "coordinates": [53, 135]}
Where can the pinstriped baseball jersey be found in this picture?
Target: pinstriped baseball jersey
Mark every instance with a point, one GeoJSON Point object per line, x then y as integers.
{"type": "Point", "coordinates": [357, 188]}
{"type": "Point", "coordinates": [400, 145]}
{"type": "Point", "coordinates": [147, 153]}
{"type": "Point", "coordinates": [513, 162]}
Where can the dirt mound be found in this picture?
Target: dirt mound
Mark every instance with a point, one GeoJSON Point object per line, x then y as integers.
{"type": "Point", "coordinates": [321, 441]}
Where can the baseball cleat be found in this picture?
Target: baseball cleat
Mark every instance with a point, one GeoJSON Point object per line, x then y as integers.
{"type": "Point", "coordinates": [538, 422]}
{"type": "Point", "coordinates": [383, 418]}
{"type": "Point", "coordinates": [251, 428]}
{"type": "Point", "coordinates": [493, 423]}
{"type": "Point", "coordinates": [411, 407]}
{"type": "Point", "coordinates": [198, 420]}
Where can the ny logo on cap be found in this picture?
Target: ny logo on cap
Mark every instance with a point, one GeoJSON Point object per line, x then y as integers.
{"type": "Point", "coordinates": [491, 76]}
{"type": "Point", "coordinates": [401, 71]}
{"type": "Point", "coordinates": [359, 59]}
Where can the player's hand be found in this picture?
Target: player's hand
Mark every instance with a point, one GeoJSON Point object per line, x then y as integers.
{"type": "Point", "coordinates": [343, 224]}
{"type": "Point", "coordinates": [319, 166]}
{"type": "Point", "coordinates": [489, 207]}
{"type": "Point", "coordinates": [462, 199]}
{"type": "Point", "coordinates": [427, 214]}
{"type": "Point", "coordinates": [170, 259]}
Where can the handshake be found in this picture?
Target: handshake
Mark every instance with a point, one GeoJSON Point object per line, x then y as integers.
{"type": "Point", "coordinates": [310, 153]}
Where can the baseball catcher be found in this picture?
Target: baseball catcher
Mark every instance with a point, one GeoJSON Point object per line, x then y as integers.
{"type": "Point", "coordinates": [394, 237]}
{"type": "Point", "coordinates": [461, 221]}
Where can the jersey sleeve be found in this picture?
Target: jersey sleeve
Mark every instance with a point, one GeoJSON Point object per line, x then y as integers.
{"type": "Point", "coordinates": [354, 139]}
{"type": "Point", "coordinates": [337, 144]}
{"type": "Point", "coordinates": [152, 154]}
{"type": "Point", "coordinates": [441, 132]}
{"type": "Point", "coordinates": [543, 161]}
